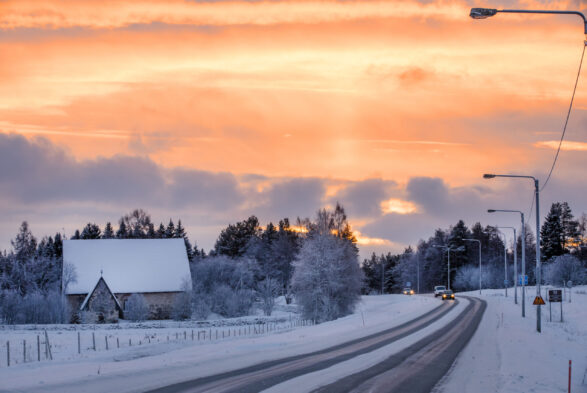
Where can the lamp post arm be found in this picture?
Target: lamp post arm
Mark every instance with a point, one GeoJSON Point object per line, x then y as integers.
{"type": "Point", "coordinates": [548, 12]}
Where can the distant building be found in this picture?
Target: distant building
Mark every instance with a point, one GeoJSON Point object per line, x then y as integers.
{"type": "Point", "coordinates": [109, 271]}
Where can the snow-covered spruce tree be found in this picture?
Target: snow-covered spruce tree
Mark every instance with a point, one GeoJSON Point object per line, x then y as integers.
{"type": "Point", "coordinates": [136, 308]}
{"type": "Point", "coordinates": [327, 278]}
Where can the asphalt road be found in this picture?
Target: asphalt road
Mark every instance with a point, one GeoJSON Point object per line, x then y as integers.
{"type": "Point", "coordinates": [415, 369]}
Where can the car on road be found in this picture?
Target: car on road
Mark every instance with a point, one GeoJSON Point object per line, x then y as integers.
{"type": "Point", "coordinates": [438, 290]}
{"type": "Point", "coordinates": [408, 291]}
{"type": "Point", "coordinates": [448, 295]}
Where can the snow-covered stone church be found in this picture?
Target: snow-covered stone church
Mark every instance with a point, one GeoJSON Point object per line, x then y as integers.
{"type": "Point", "coordinates": [109, 271]}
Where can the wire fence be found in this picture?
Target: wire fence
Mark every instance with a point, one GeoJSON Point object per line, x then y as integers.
{"type": "Point", "coordinates": [39, 346]}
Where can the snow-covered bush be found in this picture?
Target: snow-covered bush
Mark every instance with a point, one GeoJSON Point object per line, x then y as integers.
{"type": "Point", "coordinates": [327, 278]}
{"type": "Point", "coordinates": [182, 304]}
{"type": "Point", "coordinates": [232, 303]}
{"type": "Point", "coordinates": [35, 307]}
{"type": "Point", "coordinates": [201, 306]}
{"type": "Point", "coordinates": [564, 268]}
{"type": "Point", "coordinates": [136, 308]}
{"type": "Point", "coordinates": [268, 290]}
{"type": "Point", "coordinates": [9, 305]}
{"type": "Point", "coordinates": [224, 286]}
{"type": "Point", "coordinates": [466, 279]}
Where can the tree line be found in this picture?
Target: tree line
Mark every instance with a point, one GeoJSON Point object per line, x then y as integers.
{"type": "Point", "coordinates": [248, 264]}
{"type": "Point", "coordinates": [316, 260]}
{"type": "Point", "coordinates": [562, 250]}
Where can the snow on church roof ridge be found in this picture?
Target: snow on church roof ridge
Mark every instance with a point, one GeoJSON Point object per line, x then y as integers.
{"type": "Point", "coordinates": [128, 265]}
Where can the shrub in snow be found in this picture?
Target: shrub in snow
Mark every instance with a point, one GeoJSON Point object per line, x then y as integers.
{"type": "Point", "coordinates": [9, 306]}
{"type": "Point", "coordinates": [136, 308]}
{"type": "Point", "coordinates": [268, 290]}
{"type": "Point", "coordinates": [182, 304]}
{"type": "Point", "coordinates": [224, 286]}
{"type": "Point", "coordinates": [35, 307]}
{"type": "Point", "coordinates": [564, 268]}
{"type": "Point", "coordinates": [201, 306]}
{"type": "Point", "coordinates": [466, 278]}
{"type": "Point", "coordinates": [232, 303]}
{"type": "Point", "coordinates": [327, 278]}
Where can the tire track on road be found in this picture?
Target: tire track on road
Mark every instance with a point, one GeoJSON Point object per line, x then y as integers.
{"type": "Point", "coordinates": [418, 368]}
{"type": "Point", "coordinates": [264, 375]}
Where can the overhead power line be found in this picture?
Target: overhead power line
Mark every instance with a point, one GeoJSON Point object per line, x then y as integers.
{"type": "Point", "coordinates": [566, 121]}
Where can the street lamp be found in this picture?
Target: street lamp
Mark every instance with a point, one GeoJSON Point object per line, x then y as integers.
{"type": "Point", "coordinates": [448, 250]}
{"type": "Point", "coordinates": [538, 262]}
{"type": "Point", "coordinates": [479, 242]}
{"type": "Point", "coordinates": [515, 265]}
{"type": "Point", "coordinates": [483, 13]}
{"type": "Point", "coordinates": [523, 281]}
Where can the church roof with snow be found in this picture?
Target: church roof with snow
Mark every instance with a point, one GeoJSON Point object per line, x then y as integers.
{"type": "Point", "coordinates": [128, 265]}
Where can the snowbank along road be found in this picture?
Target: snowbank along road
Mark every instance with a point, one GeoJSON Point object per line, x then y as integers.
{"type": "Point", "coordinates": [417, 368]}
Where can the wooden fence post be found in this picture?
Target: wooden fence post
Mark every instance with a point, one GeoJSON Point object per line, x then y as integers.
{"type": "Point", "coordinates": [8, 353]}
{"type": "Point", "coordinates": [48, 345]}
{"type": "Point", "coordinates": [106, 339]}
{"type": "Point", "coordinates": [24, 351]}
{"type": "Point", "coordinates": [38, 348]}
{"type": "Point", "coordinates": [94, 340]}
{"type": "Point", "coordinates": [79, 343]}
{"type": "Point", "coordinates": [117, 343]}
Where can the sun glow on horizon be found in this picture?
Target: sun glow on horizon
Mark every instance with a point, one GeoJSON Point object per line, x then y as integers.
{"type": "Point", "coordinates": [398, 206]}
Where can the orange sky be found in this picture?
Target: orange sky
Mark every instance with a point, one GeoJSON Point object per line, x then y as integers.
{"type": "Point", "coordinates": [340, 91]}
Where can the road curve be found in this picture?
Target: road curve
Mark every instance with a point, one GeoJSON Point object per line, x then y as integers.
{"type": "Point", "coordinates": [418, 368]}
{"type": "Point", "coordinates": [264, 375]}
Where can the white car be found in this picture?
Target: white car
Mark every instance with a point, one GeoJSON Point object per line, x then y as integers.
{"type": "Point", "coordinates": [439, 290]}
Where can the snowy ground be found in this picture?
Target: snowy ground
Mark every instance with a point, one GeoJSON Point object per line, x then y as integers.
{"type": "Point", "coordinates": [505, 355]}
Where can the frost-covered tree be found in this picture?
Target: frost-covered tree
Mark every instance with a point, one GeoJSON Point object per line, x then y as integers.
{"type": "Point", "coordinates": [564, 268]}
{"type": "Point", "coordinates": [182, 304]}
{"type": "Point", "coordinates": [268, 289]}
{"type": "Point", "coordinates": [224, 285]}
{"type": "Point", "coordinates": [327, 279]}
{"type": "Point", "coordinates": [69, 276]}
{"type": "Point", "coordinates": [160, 231]}
{"type": "Point", "coordinates": [136, 308]}
{"type": "Point", "coordinates": [122, 232]}
{"type": "Point", "coordinates": [91, 231]}
{"type": "Point", "coordinates": [108, 231]}
{"type": "Point", "coordinates": [24, 244]}
{"type": "Point", "coordinates": [137, 223]}
{"type": "Point", "coordinates": [170, 230]}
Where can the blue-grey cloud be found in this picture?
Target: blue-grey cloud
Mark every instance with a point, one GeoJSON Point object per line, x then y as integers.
{"type": "Point", "coordinates": [363, 198]}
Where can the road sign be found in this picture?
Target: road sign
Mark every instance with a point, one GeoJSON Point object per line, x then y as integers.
{"type": "Point", "coordinates": [505, 282]}
{"type": "Point", "coordinates": [569, 284]}
{"type": "Point", "coordinates": [538, 301]}
{"type": "Point", "coordinates": [408, 284]}
{"type": "Point", "coordinates": [525, 279]}
{"type": "Point", "coordinates": [555, 295]}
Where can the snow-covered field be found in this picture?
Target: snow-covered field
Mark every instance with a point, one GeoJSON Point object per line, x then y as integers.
{"type": "Point", "coordinates": [505, 355]}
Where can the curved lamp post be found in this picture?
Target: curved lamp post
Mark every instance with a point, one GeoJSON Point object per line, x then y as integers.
{"type": "Point", "coordinates": [483, 13]}
{"type": "Point", "coordinates": [448, 250]}
{"type": "Point", "coordinates": [523, 282]}
{"type": "Point", "coordinates": [538, 262]}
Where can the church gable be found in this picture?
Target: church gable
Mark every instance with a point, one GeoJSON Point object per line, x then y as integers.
{"type": "Point", "coordinates": [101, 305]}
